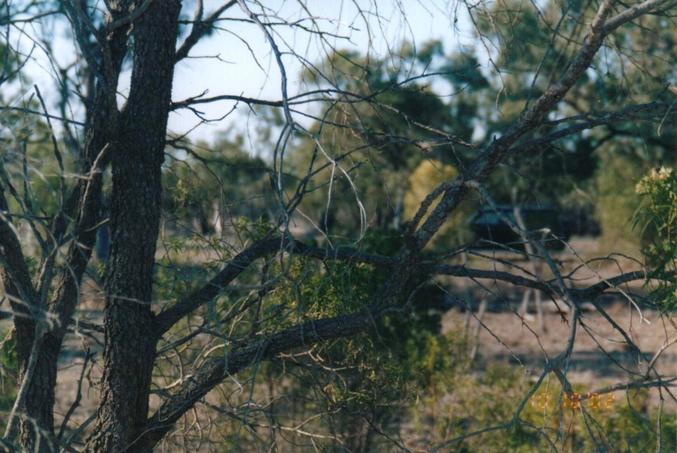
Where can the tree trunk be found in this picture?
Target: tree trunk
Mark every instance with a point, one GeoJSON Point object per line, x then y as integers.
{"type": "Point", "coordinates": [135, 215]}
{"type": "Point", "coordinates": [25, 303]}
{"type": "Point", "coordinates": [84, 205]}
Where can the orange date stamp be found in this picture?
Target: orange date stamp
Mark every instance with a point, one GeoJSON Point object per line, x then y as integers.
{"type": "Point", "coordinates": [574, 401]}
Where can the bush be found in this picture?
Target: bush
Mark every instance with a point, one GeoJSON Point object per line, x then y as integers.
{"type": "Point", "coordinates": [657, 218]}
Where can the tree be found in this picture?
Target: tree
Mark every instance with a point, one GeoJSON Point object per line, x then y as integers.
{"type": "Point", "coordinates": [137, 407]}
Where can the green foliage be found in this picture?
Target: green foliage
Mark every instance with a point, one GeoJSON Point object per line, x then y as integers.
{"type": "Point", "coordinates": [616, 201]}
{"type": "Point", "coordinates": [252, 229]}
{"type": "Point", "coordinates": [223, 180]}
{"type": "Point", "coordinates": [624, 423]}
{"type": "Point", "coordinates": [424, 179]}
{"type": "Point", "coordinates": [8, 374]}
{"type": "Point", "coordinates": [468, 403]}
{"type": "Point", "coordinates": [484, 104]}
{"type": "Point", "coordinates": [583, 162]}
{"type": "Point", "coordinates": [657, 217]}
{"type": "Point", "coordinates": [377, 374]}
{"type": "Point", "coordinates": [464, 71]}
{"type": "Point", "coordinates": [382, 142]}
{"type": "Point", "coordinates": [29, 168]}
{"type": "Point", "coordinates": [8, 357]}
{"type": "Point", "coordinates": [616, 424]}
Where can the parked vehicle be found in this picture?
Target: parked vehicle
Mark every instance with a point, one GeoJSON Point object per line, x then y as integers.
{"type": "Point", "coordinates": [494, 226]}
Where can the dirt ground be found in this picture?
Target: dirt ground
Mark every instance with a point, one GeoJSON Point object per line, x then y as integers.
{"type": "Point", "coordinates": [600, 355]}
{"type": "Point", "coordinates": [599, 351]}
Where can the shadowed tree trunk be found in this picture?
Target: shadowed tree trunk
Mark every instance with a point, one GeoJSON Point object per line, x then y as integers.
{"type": "Point", "coordinates": [83, 205]}
{"type": "Point", "coordinates": [135, 214]}
{"type": "Point", "coordinates": [24, 300]}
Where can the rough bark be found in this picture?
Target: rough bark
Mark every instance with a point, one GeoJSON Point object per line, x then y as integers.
{"type": "Point", "coordinates": [16, 280]}
{"type": "Point", "coordinates": [24, 301]}
{"type": "Point", "coordinates": [135, 214]}
{"type": "Point", "coordinates": [82, 209]}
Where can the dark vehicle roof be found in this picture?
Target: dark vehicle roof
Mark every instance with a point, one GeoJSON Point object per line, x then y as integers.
{"type": "Point", "coordinates": [489, 216]}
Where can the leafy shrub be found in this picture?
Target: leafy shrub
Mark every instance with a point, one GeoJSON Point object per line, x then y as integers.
{"type": "Point", "coordinates": [657, 218]}
{"type": "Point", "coordinates": [8, 375]}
